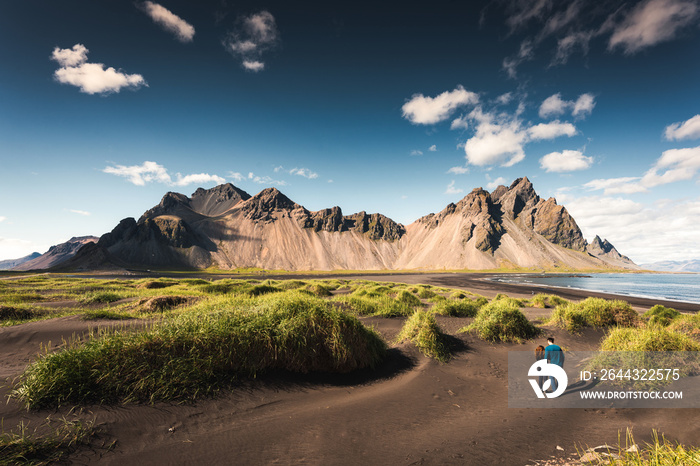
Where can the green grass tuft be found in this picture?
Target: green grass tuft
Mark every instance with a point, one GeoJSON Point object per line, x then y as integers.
{"type": "Point", "coordinates": [46, 444]}
{"type": "Point", "coordinates": [103, 297]}
{"type": "Point", "coordinates": [648, 339]}
{"type": "Point", "coordinates": [422, 329]}
{"type": "Point", "coordinates": [595, 312]}
{"type": "Point", "coordinates": [502, 320]}
{"type": "Point", "coordinates": [454, 308]}
{"type": "Point", "coordinates": [661, 315]}
{"type": "Point", "coordinates": [408, 298]}
{"type": "Point", "coordinates": [196, 354]}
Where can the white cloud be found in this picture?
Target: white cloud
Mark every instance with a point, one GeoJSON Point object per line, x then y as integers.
{"type": "Point", "coordinates": [451, 188]}
{"type": "Point", "coordinates": [651, 22]}
{"type": "Point", "coordinates": [565, 161]}
{"type": "Point", "coordinates": [305, 172]}
{"type": "Point", "coordinates": [169, 21]}
{"type": "Point", "coordinates": [432, 148]}
{"type": "Point", "coordinates": [265, 180]}
{"type": "Point", "coordinates": [198, 178]}
{"type": "Point", "coordinates": [80, 212]}
{"type": "Point", "coordinates": [91, 78]}
{"type": "Point", "coordinates": [430, 110]}
{"type": "Point", "coordinates": [495, 183]}
{"type": "Point", "coordinates": [458, 170]}
{"type": "Point", "coordinates": [646, 233]}
{"type": "Point", "coordinates": [2, 219]}
{"type": "Point", "coordinates": [526, 52]}
{"type": "Point", "coordinates": [551, 130]}
{"type": "Point", "coordinates": [70, 57]}
{"type": "Point", "coordinates": [689, 129]}
{"type": "Point", "coordinates": [674, 165]}
{"type": "Point", "coordinates": [567, 44]}
{"type": "Point", "coordinates": [236, 176]}
{"type": "Point", "coordinates": [255, 35]}
{"type": "Point", "coordinates": [583, 105]}
{"type": "Point", "coordinates": [416, 152]}
{"type": "Point", "coordinates": [624, 185]}
{"type": "Point", "coordinates": [141, 174]}
{"type": "Point", "coordinates": [499, 138]}
{"type": "Point", "coordinates": [555, 106]}
{"type": "Point", "coordinates": [152, 172]}
{"type": "Point", "coordinates": [504, 99]}
{"type": "Point", "coordinates": [459, 123]}
{"type": "Point", "coordinates": [253, 65]}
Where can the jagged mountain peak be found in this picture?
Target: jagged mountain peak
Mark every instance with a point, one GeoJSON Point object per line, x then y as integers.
{"type": "Point", "coordinates": [225, 227]}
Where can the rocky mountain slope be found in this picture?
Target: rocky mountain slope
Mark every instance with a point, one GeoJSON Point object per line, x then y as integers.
{"type": "Point", "coordinates": [57, 254]}
{"type": "Point", "coordinates": [12, 263]}
{"type": "Point", "coordinates": [227, 228]}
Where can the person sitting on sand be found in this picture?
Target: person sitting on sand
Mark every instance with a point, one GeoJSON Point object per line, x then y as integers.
{"type": "Point", "coordinates": [554, 355]}
{"type": "Point", "coordinates": [539, 354]}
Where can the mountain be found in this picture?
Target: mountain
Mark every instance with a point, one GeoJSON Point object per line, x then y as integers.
{"type": "Point", "coordinates": [57, 254]}
{"type": "Point", "coordinates": [12, 263]}
{"type": "Point", "coordinates": [227, 228]}
{"type": "Point", "coordinates": [674, 266]}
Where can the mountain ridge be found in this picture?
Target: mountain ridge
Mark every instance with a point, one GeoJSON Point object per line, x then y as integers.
{"type": "Point", "coordinates": [225, 227]}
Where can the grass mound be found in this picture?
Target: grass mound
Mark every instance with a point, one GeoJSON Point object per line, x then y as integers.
{"type": "Point", "coordinates": [595, 312]}
{"type": "Point", "coordinates": [18, 313]}
{"type": "Point", "coordinates": [454, 308]}
{"type": "Point", "coordinates": [161, 303]}
{"type": "Point", "coordinates": [687, 324]}
{"type": "Point", "coordinates": [105, 314]}
{"type": "Point", "coordinates": [102, 297]}
{"type": "Point", "coordinates": [44, 445]}
{"type": "Point", "coordinates": [382, 306]}
{"type": "Point", "coordinates": [502, 320]}
{"type": "Point", "coordinates": [408, 298]}
{"type": "Point", "coordinates": [425, 293]}
{"type": "Point", "coordinates": [155, 284]}
{"type": "Point", "coordinates": [543, 301]}
{"type": "Point", "coordinates": [319, 289]}
{"type": "Point", "coordinates": [661, 315]}
{"type": "Point", "coordinates": [196, 354]}
{"type": "Point", "coordinates": [648, 339]}
{"type": "Point", "coordinates": [422, 329]}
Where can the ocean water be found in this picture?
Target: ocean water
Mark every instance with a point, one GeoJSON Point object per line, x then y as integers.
{"type": "Point", "coordinates": [675, 287]}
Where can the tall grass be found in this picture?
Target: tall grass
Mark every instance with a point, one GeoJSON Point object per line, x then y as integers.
{"type": "Point", "coordinates": [595, 312]}
{"type": "Point", "coordinates": [661, 315]}
{"type": "Point", "coordinates": [647, 339]}
{"type": "Point", "coordinates": [502, 320]}
{"type": "Point", "coordinates": [455, 308]}
{"type": "Point", "coordinates": [47, 444]}
{"type": "Point", "coordinates": [381, 306]}
{"type": "Point", "coordinates": [658, 452]}
{"type": "Point", "coordinates": [422, 329]}
{"type": "Point", "coordinates": [196, 354]}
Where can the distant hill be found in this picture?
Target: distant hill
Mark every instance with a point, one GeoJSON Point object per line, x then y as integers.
{"type": "Point", "coordinates": [12, 263]}
{"type": "Point", "coordinates": [227, 228]}
{"type": "Point", "coordinates": [673, 266]}
{"type": "Point", "coordinates": [56, 254]}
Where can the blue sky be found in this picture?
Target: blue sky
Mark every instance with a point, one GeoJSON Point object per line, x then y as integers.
{"type": "Point", "coordinates": [391, 108]}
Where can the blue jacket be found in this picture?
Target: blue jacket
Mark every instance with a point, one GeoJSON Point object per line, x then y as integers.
{"type": "Point", "coordinates": [554, 355]}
